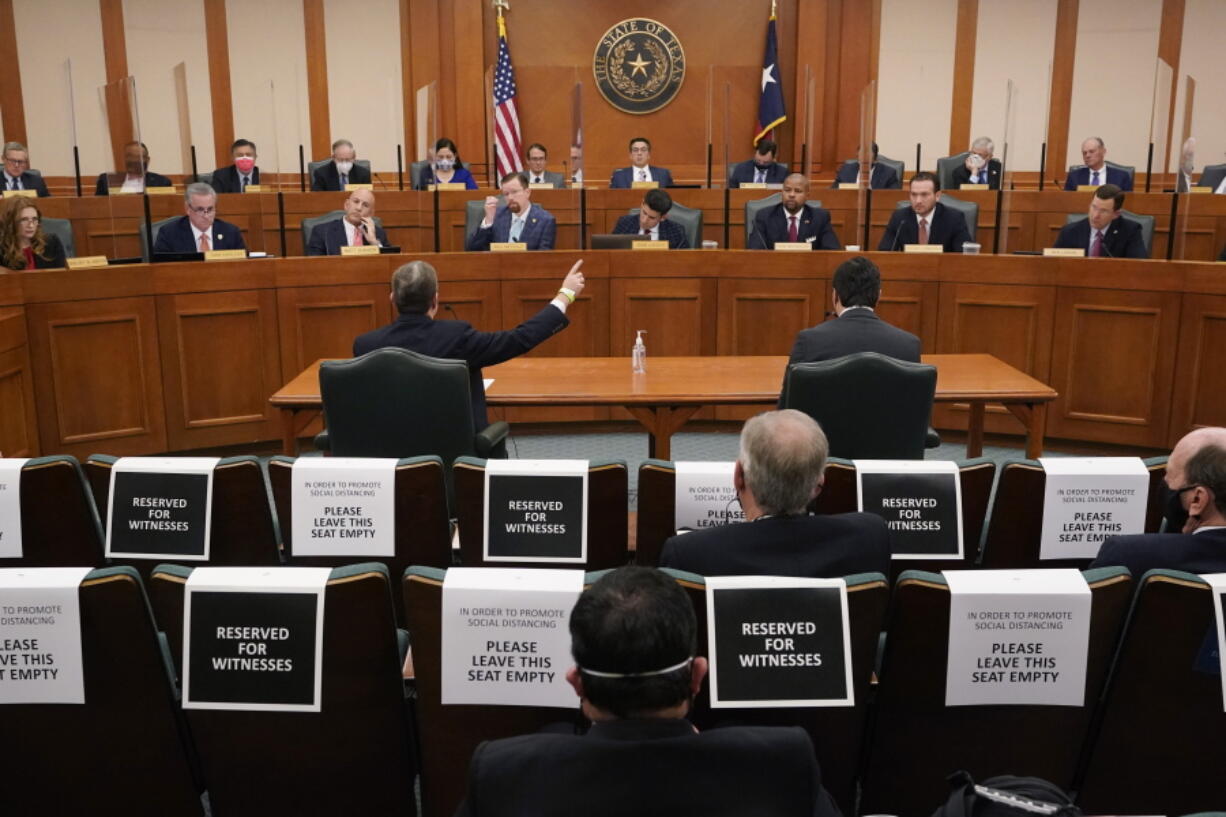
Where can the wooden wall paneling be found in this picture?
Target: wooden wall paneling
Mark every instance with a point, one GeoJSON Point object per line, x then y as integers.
{"type": "Point", "coordinates": [470, 37]}
{"type": "Point", "coordinates": [1113, 362]}
{"type": "Point", "coordinates": [1203, 218]}
{"type": "Point", "coordinates": [97, 376]}
{"type": "Point", "coordinates": [220, 362]}
{"type": "Point", "coordinates": [217, 43]}
{"type": "Point", "coordinates": [1170, 46]}
{"type": "Point", "coordinates": [912, 306]}
{"type": "Point", "coordinates": [964, 76]}
{"type": "Point", "coordinates": [19, 420]}
{"type": "Point", "coordinates": [762, 316]}
{"type": "Point", "coordinates": [12, 106]}
{"type": "Point", "coordinates": [425, 57]}
{"type": "Point", "coordinates": [316, 30]}
{"type": "Point", "coordinates": [859, 36]}
{"type": "Point", "coordinates": [1199, 399]}
{"type": "Point", "coordinates": [118, 99]}
{"type": "Point", "coordinates": [1060, 100]}
{"type": "Point", "coordinates": [321, 321]}
{"type": "Point", "coordinates": [408, 92]}
{"type": "Point", "coordinates": [812, 50]}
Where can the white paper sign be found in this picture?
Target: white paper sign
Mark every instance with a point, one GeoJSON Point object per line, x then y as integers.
{"type": "Point", "coordinates": [1218, 582]}
{"type": "Point", "coordinates": [10, 507]}
{"type": "Point", "coordinates": [920, 501]}
{"type": "Point", "coordinates": [1087, 500]}
{"type": "Point", "coordinates": [505, 636]}
{"type": "Point", "coordinates": [536, 511]}
{"type": "Point", "coordinates": [1017, 637]}
{"type": "Point", "coordinates": [253, 638]}
{"type": "Point", "coordinates": [344, 506]}
{"type": "Point", "coordinates": [778, 642]}
{"type": "Point", "coordinates": [160, 508]}
{"type": "Point", "coordinates": [40, 635]}
{"type": "Point", "coordinates": [704, 496]}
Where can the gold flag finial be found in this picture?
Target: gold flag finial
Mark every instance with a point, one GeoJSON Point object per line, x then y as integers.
{"type": "Point", "coordinates": [504, 5]}
{"type": "Point", "coordinates": [773, 9]}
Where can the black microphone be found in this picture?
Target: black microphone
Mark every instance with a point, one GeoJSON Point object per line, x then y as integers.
{"type": "Point", "coordinates": [894, 245]}
{"type": "Point", "coordinates": [452, 311]}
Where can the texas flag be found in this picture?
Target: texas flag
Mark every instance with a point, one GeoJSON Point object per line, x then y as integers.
{"type": "Point", "coordinates": [771, 112]}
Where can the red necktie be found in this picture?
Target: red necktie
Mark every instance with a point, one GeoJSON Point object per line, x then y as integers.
{"type": "Point", "coordinates": [923, 231]}
{"type": "Point", "coordinates": [357, 236]}
{"type": "Point", "coordinates": [1096, 249]}
{"type": "Point", "coordinates": [792, 232]}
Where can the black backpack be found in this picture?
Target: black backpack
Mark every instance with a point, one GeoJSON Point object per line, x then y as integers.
{"type": "Point", "coordinates": [1005, 796]}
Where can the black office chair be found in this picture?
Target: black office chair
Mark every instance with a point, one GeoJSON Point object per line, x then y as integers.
{"type": "Point", "coordinates": [946, 166]}
{"type": "Point", "coordinates": [871, 406]}
{"type": "Point", "coordinates": [395, 403]}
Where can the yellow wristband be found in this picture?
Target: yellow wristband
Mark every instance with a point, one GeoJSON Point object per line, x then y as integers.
{"type": "Point", "coordinates": [569, 293]}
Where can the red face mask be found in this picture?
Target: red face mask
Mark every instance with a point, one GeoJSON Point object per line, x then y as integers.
{"type": "Point", "coordinates": [244, 164]}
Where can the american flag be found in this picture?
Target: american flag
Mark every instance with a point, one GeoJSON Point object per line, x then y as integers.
{"type": "Point", "coordinates": [507, 137]}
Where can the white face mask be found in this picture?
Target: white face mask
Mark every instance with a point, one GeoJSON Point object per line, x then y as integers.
{"type": "Point", "coordinates": [344, 167]}
{"type": "Point", "coordinates": [444, 164]}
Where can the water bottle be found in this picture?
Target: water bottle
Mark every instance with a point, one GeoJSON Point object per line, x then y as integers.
{"type": "Point", "coordinates": [638, 355]}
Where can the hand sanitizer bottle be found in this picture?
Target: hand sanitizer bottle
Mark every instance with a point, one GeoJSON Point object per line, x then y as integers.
{"type": "Point", "coordinates": [638, 355]}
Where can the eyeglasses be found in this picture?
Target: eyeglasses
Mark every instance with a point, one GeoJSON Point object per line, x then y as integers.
{"type": "Point", "coordinates": [29, 220]}
{"type": "Point", "coordinates": [202, 211]}
{"type": "Point", "coordinates": [19, 162]}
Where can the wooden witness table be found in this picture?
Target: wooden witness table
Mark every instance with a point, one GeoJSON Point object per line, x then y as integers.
{"type": "Point", "coordinates": [674, 388]}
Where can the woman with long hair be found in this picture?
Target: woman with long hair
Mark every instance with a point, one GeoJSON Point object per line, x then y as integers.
{"type": "Point", "coordinates": [23, 244]}
{"type": "Point", "coordinates": [447, 167]}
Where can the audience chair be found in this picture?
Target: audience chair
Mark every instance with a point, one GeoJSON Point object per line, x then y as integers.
{"type": "Point", "coordinates": [1131, 170]}
{"type": "Point", "coordinates": [690, 220]}
{"type": "Point", "coordinates": [448, 735]}
{"type": "Point", "coordinates": [755, 206]}
{"type": "Point", "coordinates": [423, 530]}
{"type": "Point", "coordinates": [242, 533]}
{"type": "Point", "coordinates": [125, 750]}
{"type": "Point", "coordinates": [1214, 169]}
{"type": "Point", "coordinates": [146, 244]}
{"type": "Point", "coordinates": [373, 407]}
{"type": "Point", "coordinates": [900, 167]}
{"type": "Point", "coordinates": [59, 524]}
{"type": "Point", "coordinates": [870, 406]}
{"type": "Point", "coordinates": [837, 732]}
{"type": "Point", "coordinates": [1015, 527]}
{"type": "Point", "coordinates": [354, 756]}
{"type": "Point", "coordinates": [205, 178]}
{"type": "Point", "coordinates": [61, 228]}
{"type": "Point", "coordinates": [946, 166]}
{"type": "Point", "coordinates": [607, 519]}
{"type": "Point", "coordinates": [1146, 222]}
{"type": "Point", "coordinates": [916, 741]}
{"type": "Point", "coordinates": [1161, 745]}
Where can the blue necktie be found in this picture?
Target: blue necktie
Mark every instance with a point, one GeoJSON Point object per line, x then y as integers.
{"type": "Point", "coordinates": [517, 228]}
{"type": "Point", "coordinates": [344, 180]}
{"type": "Point", "coordinates": [1094, 179]}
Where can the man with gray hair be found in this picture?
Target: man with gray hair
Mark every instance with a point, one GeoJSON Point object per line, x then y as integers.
{"type": "Point", "coordinates": [341, 171]}
{"type": "Point", "coordinates": [17, 175]}
{"type": "Point", "coordinates": [1195, 538]}
{"type": "Point", "coordinates": [980, 167]}
{"type": "Point", "coordinates": [415, 295]}
{"type": "Point", "coordinates": [199, 230]}
{"type": "Point", "coordinates": [779, 471]}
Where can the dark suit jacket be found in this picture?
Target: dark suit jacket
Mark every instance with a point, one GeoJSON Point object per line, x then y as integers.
{"type": "Point", "coordinates": [52, 257]}
{"type": "Point", "coordinates": [1123, 238]}
{"type": "Point", "coordinates": [551, 177]}
{"type": "Point", "coordinates": [227, 179]}
{"type": "Point", "coordinates": [327, 177]}
{"type": "Point", "coordinates": [648, 767]}
{"type": "Point", "coordinates": [963, 176]}
{"type": "Point", "coordinates": [744, 173]}
{"type": "Point", "coordinates": [538, 232]}
{"type": "Point", "coordinates": [1081, 176]}
{"type": "Point", "coordinates": [1210, 178]}
{"type": "Point", "coordinates": [947, 227]}
{"type": "Point", "coordinates": [884, 177]}
{"type": "Point", "coordinates": [329, 237]}
{"type": "Point", "coordinates": [29, 181]}
{"type": "Point", "coordinates": [1191, 552]}
{"type": "Point", "coordinates": [856, 330]}
{"type": "Point", "coordinates": [457, 340]}
{"type": "Point", "coordinates": [771, 225]}
{"type": "Point", "coordinates": [671, 232]}
{"type": "Point", "coordinates": [819, 546]}
{"type": "Point", "coordinates": [177, 237]}
{"type": "Point", "coordinates": [102, 188]}
{"type": "Point", "coordinates": [624, 176]}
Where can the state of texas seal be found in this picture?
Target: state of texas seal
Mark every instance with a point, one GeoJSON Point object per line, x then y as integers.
{"type": "Point", "coordinates": [639, 65]}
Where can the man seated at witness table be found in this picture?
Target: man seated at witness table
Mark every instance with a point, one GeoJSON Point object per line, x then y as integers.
{"type": "Point", "coordinates": [856, 290]}
{"type": "Point", "coordinates": [199, 230]}
{"type": "Point", "coordinates": [137, 176]}
{"type": "Point", "coordinates": [1105, 233]}
{"type": "Point", "coordinates": [1096, 172]}
{"type": "Point", "coordinates": [1195, 538]}
{"type": "Point", "coordinates": [519, 220]}
{"type": "Point", "coordinates": [356, 228]}
{"type": "Point", "coordinates": [537, 159]}
{"type": "Point", "coordinates": [882, 177]}
{"type": "Point", "coordinates": [761, 169]}
{"type": "Point", "coordinates": [979, 167]}
{"type": "Point", "coordinates": [17, 175]}
{"type": "Point", "coordinates": [640, 169]}
{"type": "Point", "coordinates": [415, 296]}
{"type": "Point", "coordinates": [23, 244]}
{"type": "Point", "coordinates": [236, 177]}
{"type": "Point", "coordinates": [792, 221]}
{"type": "Point", "coordinates": [636, 672]}
{"type": "Point", "coordinates": [926, 221]}
{"type": "Point", "coordinates": [779, 471]}
{"type": "Point", "coordinates": [652, 222]}
{"type": "Point", "coordinates": [342, 170]}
